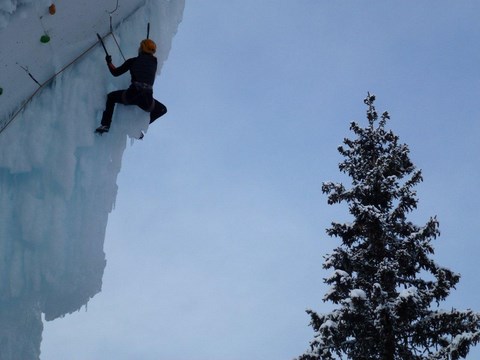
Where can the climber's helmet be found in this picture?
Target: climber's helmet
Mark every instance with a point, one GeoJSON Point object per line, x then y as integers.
{"type": "Point", "coordinates": [147, 46]}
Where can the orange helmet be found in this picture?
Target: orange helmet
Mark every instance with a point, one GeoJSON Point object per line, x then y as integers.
{"type": "Point", "coordinates": [148, 46]}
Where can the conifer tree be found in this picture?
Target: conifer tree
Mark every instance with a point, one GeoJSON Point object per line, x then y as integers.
{"type": "Point", "coordinates": [384, 284]}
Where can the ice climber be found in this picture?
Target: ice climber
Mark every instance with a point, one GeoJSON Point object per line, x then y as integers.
{"type": "Point", "coordinates": [142, 70]}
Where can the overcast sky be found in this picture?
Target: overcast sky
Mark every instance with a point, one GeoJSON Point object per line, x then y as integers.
{"type": "Point", "coordinates": [215, 247]}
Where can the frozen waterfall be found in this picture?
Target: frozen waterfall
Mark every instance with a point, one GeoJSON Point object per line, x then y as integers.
{"type": "Point", "coordinates": [57, 178]}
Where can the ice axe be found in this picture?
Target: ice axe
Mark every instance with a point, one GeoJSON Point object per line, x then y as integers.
{"type": "Point", "coordinates": [103, 45]}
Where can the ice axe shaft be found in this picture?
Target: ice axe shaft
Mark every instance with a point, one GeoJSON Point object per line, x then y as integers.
{"type": "Point", "coordinates": [103, 45]}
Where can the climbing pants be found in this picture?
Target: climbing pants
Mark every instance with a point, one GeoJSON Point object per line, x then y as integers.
{"type": "Point", "coordinates": [132, 96]}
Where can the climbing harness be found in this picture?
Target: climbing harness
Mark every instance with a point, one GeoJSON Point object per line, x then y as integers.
{"type": "Point", "coordinates": [142, 86]}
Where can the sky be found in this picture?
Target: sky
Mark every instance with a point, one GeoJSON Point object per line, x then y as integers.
{"type": "Point", "coordinates": [215, 247]}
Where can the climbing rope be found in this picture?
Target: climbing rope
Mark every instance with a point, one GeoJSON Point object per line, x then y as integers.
{"type": "Point", "coordinates": [116, 8]}
{"type": "Point", "coordinates": [115, 39]}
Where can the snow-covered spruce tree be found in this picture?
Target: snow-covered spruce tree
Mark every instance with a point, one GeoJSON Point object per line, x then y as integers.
{"type": "Point", "coordinates": [385, 286]}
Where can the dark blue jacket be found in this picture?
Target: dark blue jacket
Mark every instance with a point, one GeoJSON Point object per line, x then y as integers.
{"type": "Point", "coordinates": [142, 68]}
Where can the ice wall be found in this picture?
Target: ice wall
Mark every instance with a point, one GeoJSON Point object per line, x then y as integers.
{"type": "Point", "coordinates": [58, 179]}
